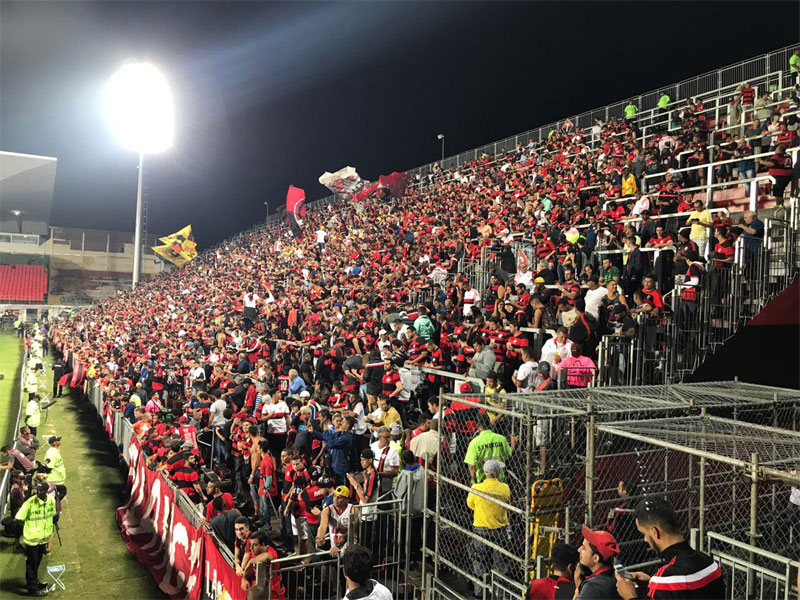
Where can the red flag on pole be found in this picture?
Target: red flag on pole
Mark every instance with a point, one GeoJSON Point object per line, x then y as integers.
{"type": "Point", "coordinates": [296, 209]}
{"type": "Point", "coordinates": [522, 259]}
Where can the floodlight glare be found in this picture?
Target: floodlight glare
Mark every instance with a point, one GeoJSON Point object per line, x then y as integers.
{"type": "Point", "coordinates": [140, 108]}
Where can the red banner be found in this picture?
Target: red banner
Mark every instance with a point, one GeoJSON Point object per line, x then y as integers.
{"type": "Point", "coordinates": [158, 534]}
{"type": "Point", "coordinates": [221, 579]}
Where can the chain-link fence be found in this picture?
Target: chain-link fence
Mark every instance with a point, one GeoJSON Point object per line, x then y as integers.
{"type": "Point", "coordinates": [564, 467]}
{"type": "Point", "coordinates": [720, 475]}
{"type": "Point", "coordinates": [500, 521]}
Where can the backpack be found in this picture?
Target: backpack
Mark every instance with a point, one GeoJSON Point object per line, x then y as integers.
{"type": "Point", "coordinates": [549, 319]}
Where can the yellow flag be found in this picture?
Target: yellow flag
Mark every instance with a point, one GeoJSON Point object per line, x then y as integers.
{"type": "Point", "coordinates": [179, 248]}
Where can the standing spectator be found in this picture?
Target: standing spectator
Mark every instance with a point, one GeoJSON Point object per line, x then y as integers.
{"type": "Point", "coordinates": [36, 515]}
{"type": "Point", "coordinates": [357, 571]}
{"type": "Point", "coordinates": [578, 370]}
{"type": "Point", "coordinates": [686, 572]}
{"type": "Point", "coordinates": [700, 220]}
{"type": "Point", "coordinates": [780, 167]}
{"type": "Point", "coordinates": [275, 413]}
{"type": "Point", "coordinates": [561, 584]}
{"type": "Point", "coordinates": [483, 362]}
{"type": "Point", "coordinates": [663, 102]}
{"type": "Point", "coordinates": [524, 376]}
{"type": "Point", "coordinates": [410, 490]}
{"type": "Point", "coordinates": [597, 554]}
{"type": "Point", "coordinates": [242, 550]}
{"type": "Point", "coordinates": [386, 461]}
{"type": "Point", "coordinates": [490, 522]}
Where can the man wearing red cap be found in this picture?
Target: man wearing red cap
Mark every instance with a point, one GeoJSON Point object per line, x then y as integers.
{"type": "Point", "coordinates": [597, 559]}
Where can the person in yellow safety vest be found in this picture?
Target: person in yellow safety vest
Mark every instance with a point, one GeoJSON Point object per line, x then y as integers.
{"type": "Point", "coordinates": [53, 460]}
{"type": "Point", "coordinates": [33, 414]}
{"type": "Point", "coordinates": [630, 112]}
{"type": "Point", "coordinates": [663, 101]}
{"type": "Point", "coordinates": [37, 516]}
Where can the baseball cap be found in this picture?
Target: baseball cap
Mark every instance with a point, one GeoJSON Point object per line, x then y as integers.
{"type": "Point", "coordinates": [53, 438]}
{"type": "Point", "coordinates": [42, 486]}
{"type": "Point", "coordinates": [342, 491]}
{"type": "Point", "coordinates": [305, 394]}
{"type": "Point", "coordinates": [382, 332]}
{"type": "Point", "coordinates": [492, 466]}
{"type": "Point", "coordinates": [395, 429]}
{"type": "Point", "coordinates": [325, 482]}
{"type": "Point", "coordinates": [605, 543]}
{"type": "Point", "coordinates": [367, 453]}
{"type": "Point", "coordinates": [538, 280]}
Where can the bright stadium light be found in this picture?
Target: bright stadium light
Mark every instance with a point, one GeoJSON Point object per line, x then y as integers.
{"type": "Point", "coordinates": [140, 110]}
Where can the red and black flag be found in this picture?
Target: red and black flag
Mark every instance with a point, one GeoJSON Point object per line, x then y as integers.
{"type": "Point", "coordinates": [296, 209]}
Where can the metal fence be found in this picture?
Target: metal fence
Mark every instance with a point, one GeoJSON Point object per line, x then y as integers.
{"type": "Point", "coordinates": [586, 456]}
{"type": "Point", "coordinates": [720, 475]}
{"type": "Point", "coordinates": [751, 572]}
{"type": "Point", "coordinates": [5, 481]}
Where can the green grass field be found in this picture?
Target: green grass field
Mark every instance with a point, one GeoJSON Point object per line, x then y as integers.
{"type": "Point", "coordinates": [98, 565]}
{"type": "Point", "coordinates": [10, 364]}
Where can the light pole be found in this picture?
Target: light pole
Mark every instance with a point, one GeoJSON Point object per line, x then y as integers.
{"type": "Point", "coordinates": [140, 110]}
{"type": "Point", "coordinates": [441, 137]}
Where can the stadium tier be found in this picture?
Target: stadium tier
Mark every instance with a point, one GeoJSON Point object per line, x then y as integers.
{"type": "Point", "coordinates": [23, 283]}
{"type": "Point", "coordinates": [477, 363]}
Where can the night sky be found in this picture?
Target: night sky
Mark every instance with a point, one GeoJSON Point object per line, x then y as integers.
{"type": "Point", "coordinates": [270, 94]}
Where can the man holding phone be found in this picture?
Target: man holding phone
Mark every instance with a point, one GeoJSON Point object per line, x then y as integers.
{"type": "Point", "coordinates": [686, 574]}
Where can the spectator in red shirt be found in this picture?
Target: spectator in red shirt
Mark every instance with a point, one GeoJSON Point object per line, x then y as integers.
{"type": "Point", "coordinates": [561, 584]}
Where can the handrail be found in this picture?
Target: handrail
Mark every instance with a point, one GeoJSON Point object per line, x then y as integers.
{"type": "Point", "coordinates": [5, 486]}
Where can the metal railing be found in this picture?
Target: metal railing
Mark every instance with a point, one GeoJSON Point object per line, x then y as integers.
{"type": "Point", "coordinates": [5, 481]}
{"type": "Point", "coordinates": [751, 572]}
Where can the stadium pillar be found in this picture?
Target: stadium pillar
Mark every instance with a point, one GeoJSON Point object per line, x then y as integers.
{"type": "Point", "coordinates": [589, 491]}
{"type": "Point", "coordinates": [137, 236]}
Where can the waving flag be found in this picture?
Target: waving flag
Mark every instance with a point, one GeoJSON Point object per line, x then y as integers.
{"type": "Point", "coordinates": [296, 209]}
{"type": "Point", "coordinates": [178, 248]}
{"type": "Point", "coordinates": [567, 124]}
{"type": "Point", "coordinates": [343, 182]}
{"type": "Point", "coordinates": [395, 182]}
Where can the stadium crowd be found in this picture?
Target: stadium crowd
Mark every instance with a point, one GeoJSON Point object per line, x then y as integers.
{"type": "Point", "coordinates": [294, 358]}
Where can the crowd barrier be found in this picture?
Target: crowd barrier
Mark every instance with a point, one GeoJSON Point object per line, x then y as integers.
{"type": "Point", "coordinates": [210, 559]}
{"type": "Point", "coordinates": [5, 481]}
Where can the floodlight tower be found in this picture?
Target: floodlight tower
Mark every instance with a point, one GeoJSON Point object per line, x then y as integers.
{"type": "Point", "coordinates": [140, 110]}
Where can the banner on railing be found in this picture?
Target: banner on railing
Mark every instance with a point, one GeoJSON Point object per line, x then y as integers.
{"type": "Point", "coordinates": [158, 534]}
{"type": "Point", "coordinates": [222, 582]}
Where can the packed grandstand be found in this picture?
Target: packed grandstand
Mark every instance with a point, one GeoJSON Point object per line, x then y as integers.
{"type": "Point", "coordinates": [342, 367]}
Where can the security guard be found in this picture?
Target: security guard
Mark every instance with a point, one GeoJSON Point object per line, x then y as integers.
{"type": "Point", "coordinates": [53, 460]}
{"type": "Point", "coordinates": [58, 371]}
{"type": "Point", "coordinates": [33, 413]}
{"type": "Point", "coordinates": [36, 515]}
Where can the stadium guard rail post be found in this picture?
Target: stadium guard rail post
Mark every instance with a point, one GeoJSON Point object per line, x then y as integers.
{"type": "Point", "coordinates": [5, 482]}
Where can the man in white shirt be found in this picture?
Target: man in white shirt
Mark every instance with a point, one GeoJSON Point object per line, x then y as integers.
{"type": "Point", "coordinates": [642, 203]}
{"type": "Point", "coordinates": [472, 297]}
{"type": "Point", "coordinates": [387, 461]}
{"type": "Point", "coordinates": [594, 296]}
{"type": "Point", "coordinates": [526, 374]}
{"type": "Point", "coordinates": [322, 237]}
{"type": "Point", "coordinates": [556, 349]}
{"type": "Point", "coordinates": [523, 275]}
{"type": "Point", "coordinates": [215, 412]}
{"type": "Point", "coordinates": [357, 570]}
